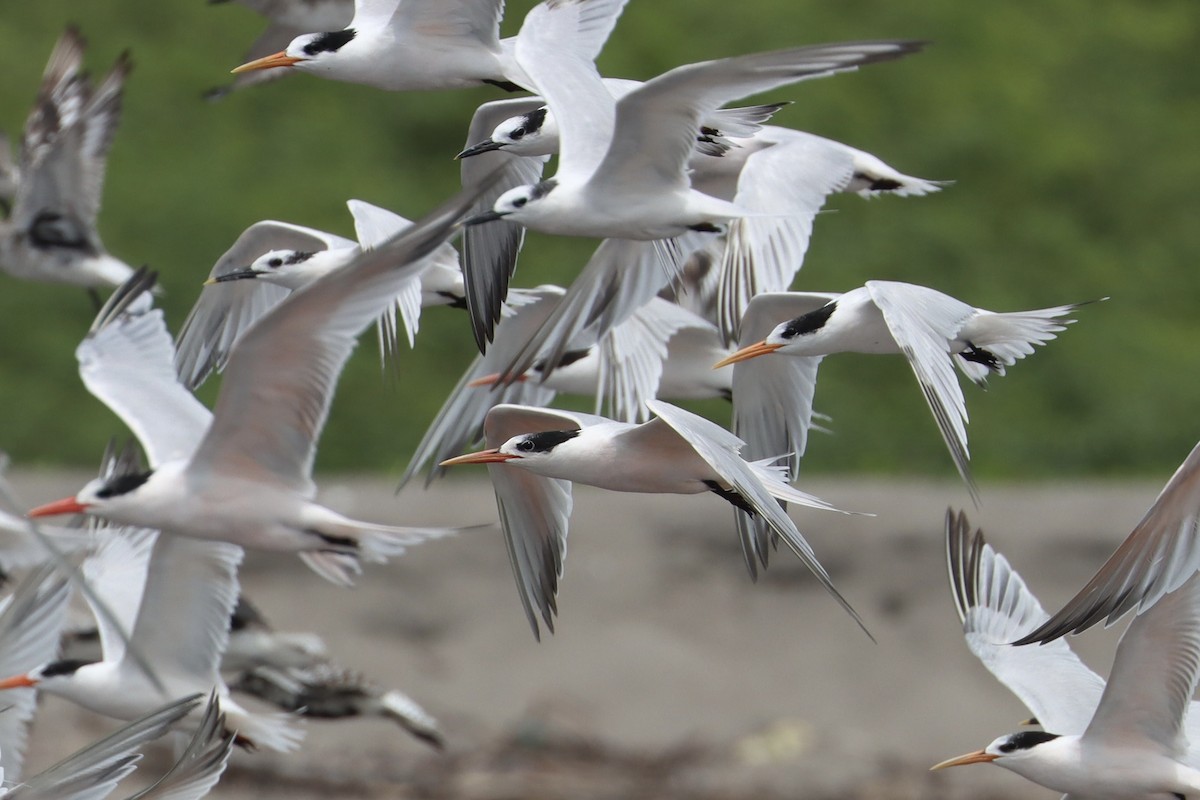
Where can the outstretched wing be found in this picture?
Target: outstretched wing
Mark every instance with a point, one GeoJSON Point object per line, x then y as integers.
{"type": "Point", "coordinates": [995, 608]}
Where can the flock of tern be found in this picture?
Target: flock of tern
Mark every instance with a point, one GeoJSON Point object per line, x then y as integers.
{"type": "Point", "coordinates": [705, 214]}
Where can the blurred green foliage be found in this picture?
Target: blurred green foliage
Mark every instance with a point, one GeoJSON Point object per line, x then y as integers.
{"type": "Point", "coordinates": [1069, 128]}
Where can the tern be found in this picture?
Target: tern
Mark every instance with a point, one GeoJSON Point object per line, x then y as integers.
{"type": "Point", "coordinates": [523, 136]}
{"type": "Point", "coordinates": [173, 595]}
{"type": "Point", "coordinates": [535, 454]}
{"type": "Point", "coordinates": [622, 164]}
{"type": "Point", "coordinates": [271, 259]}
{"type": "Point", "coordinates": [934, 331]}
{"type": "Point", "coordinates": [1126, 739]}
{"type": "Point", "coordinates": [1157, 557]}
{"type": "Point", "coordinates": [242, 473]}
{"type": "Point", "coordinates": [51, 233]}
{"type": "Point", "coordinates": [407, 45]}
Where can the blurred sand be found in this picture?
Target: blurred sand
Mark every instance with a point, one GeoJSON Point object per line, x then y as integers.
{"type": "Point", "coordinates": [671, 674]}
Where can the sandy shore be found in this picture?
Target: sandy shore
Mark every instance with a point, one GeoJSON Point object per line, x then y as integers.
{"type": "Point", "coordinates": [671, 674]}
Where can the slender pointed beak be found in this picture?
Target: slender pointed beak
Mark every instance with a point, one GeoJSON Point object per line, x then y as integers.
{"type": "Point", "coordinates": [753, 351]}
{"type": "Point", "coordinates": [17, 682]}
{"type": "Point", "coordinates": [236, 275]}
{"type": "Point", "coordinates": [280, 59]}
{"type": "Point", "coordinates": [68, 505]}
{"type": "Point", "coordinates": [482, 457]}
{"type": "Point", "coordinates": [486, 146]}
{"type": "Point", "coordinates": [977, 757]}
{"type": "Point", "coordinates": [479, 219]}
{"type": "Point", "coordinates": [493, 379]}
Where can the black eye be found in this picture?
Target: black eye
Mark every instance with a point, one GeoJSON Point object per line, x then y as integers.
{"type": "Point", "coordinates": [275, 262]}
{"type": "Point", "coordinates": [526, 445]}
{"type": "Point", "coordinates": [517, 134]}
{"type": "Point", "coordinates": [520, 202]}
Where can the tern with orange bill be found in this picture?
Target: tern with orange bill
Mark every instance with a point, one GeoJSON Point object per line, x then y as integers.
{"type": "Point", "coordinates": [535, 454]}
{"type": "Point", "coordinates": [242, 473]}
{"type": "Point", "coordinates": [934, 331]}
{"type": "Point", "coordinates": [1130, 738]}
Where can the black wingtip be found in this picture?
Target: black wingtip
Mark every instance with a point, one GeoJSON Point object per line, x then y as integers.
{"type": "Point", "coordinates": [143, 280]}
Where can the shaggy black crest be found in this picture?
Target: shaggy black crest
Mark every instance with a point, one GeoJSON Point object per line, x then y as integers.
{"type": "Point", "coordinates": [542, 188]}
{"type": "Point", "coordinates": [123, 484]}
{"type": "Point", "coordinates": [812, 321]}
{"type": "Point", "coordinates": [1025, 740]}
{"type": "Point", "coordinates": [51, 229]}
{"type": "Point", "coordinates": [534, 121]}
{"type": "Point", "coordinates": [545, 441]}
{"type": "Point", "coordinates": [67, 666]}
{"type": "Point", "coordinates": [329, 42]}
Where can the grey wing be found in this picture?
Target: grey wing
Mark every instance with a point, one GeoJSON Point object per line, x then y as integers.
{"type": "Point", "coordinates": [489, 252]}
{"type": "Point", "coordinates": [996, 608]}
{"type": "Point", "coordinates": [280, 378]}
{"type": "Point", "coordinates": [127, 360]}
{"type": "Point", "coordinates": [773, 403]}
{"type": "Point", "coordinates": [1161, 553]}
{"type": "Point", "coordinates": [534, 512]}
{"type": "Point", "coordinates": [459, 422]}
{"type": "Point", "coordinates": [191, 586]}
{"type": "Point", "coordinates": [654, 130]}
{"type": "Point", "coordinates": [30, 625]}
{"type": "Point", "coordinates": [719, 449]}
{"type": "Point", "coordinates": [620, 277]}
{"type": "Point", "coordinates": [200, 765]}
{"type": "Point", "coordinates": [924, 322]}
{"type": "Point", "coordinates": [10, 174]}
{"type": "Point", "coordinates": [224, 311]}
{"type": "Point", "coordinates": [1153, 676]}
{"type": "Point", "coordinates": [786, 184]}
{"type": "Point", "coordinates": [633, 355]}
{"type": "Point", "coordinates": [93, 772]}
{"type": "Point", "coordinates": [476, 20]}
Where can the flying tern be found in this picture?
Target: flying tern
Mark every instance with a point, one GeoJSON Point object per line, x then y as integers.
{"type": "Point", "coordinates": [1157, 557]}
{"type": "Point", "coordinates": [1126, 739]}
{"type": "Point", "coordinates": [522, 135]}
{"type": "Point", "coordinates": [173, 596]}
{"type": "Point", "coordinates": [934, 331]}
{"type": "Point", "coordinates": [405, 45]}
{"type": "Point", "coordinates": [622, 164]}
{"type": "Point", "coordinates": [535, 454]}
{"type": "Point", "coordinates": [243, 472]}
{"type": "Point", "coordinates": [272, 259]}
{"type": "Point", "coordinates": [51, 233]}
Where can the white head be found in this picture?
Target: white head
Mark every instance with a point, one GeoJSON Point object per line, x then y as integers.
{"type": "Point", "coordinates": [790, 336]}
{"type": "Point", "coordinates": [516, 203]}
{"type": "Point", "coordinates": [525, 450]}
{"type": "Point", "coordinates": [105, 497]}
{"type": "Point", "coordinates": [532, 134]}
{"type": "Point", "coordinates": [1027, 753]}
{"type": "Point", "coordinates": [53, 676]}
{"type": "Point", "coordinates": [314, 52]}
{"type": "Point", "coordinates": [293, 269]}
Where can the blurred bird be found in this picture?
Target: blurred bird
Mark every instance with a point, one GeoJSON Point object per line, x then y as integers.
{"type": "Point", "coordinates": [934, 331]}
{"type": "Point", "coordinates": [173, 595]}
{"type": "Point", "coordinates": [94, 772]}
{"type": "Point", "coordinates": [242, 474]}
{"type": "Point", "coordinates": [1160, 555]}
{"type": "Point", "coordinates": [406, 45]}
{"type": "Point", "coordinates": [675, 453]}
{"type": "Point", "coordinates": [51, 233]}
{"type": "Point", "coordinates": [1126, 739]}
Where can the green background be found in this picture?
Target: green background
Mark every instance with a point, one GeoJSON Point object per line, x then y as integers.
{"type": "Point", "coordinates": [1070, 130]}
